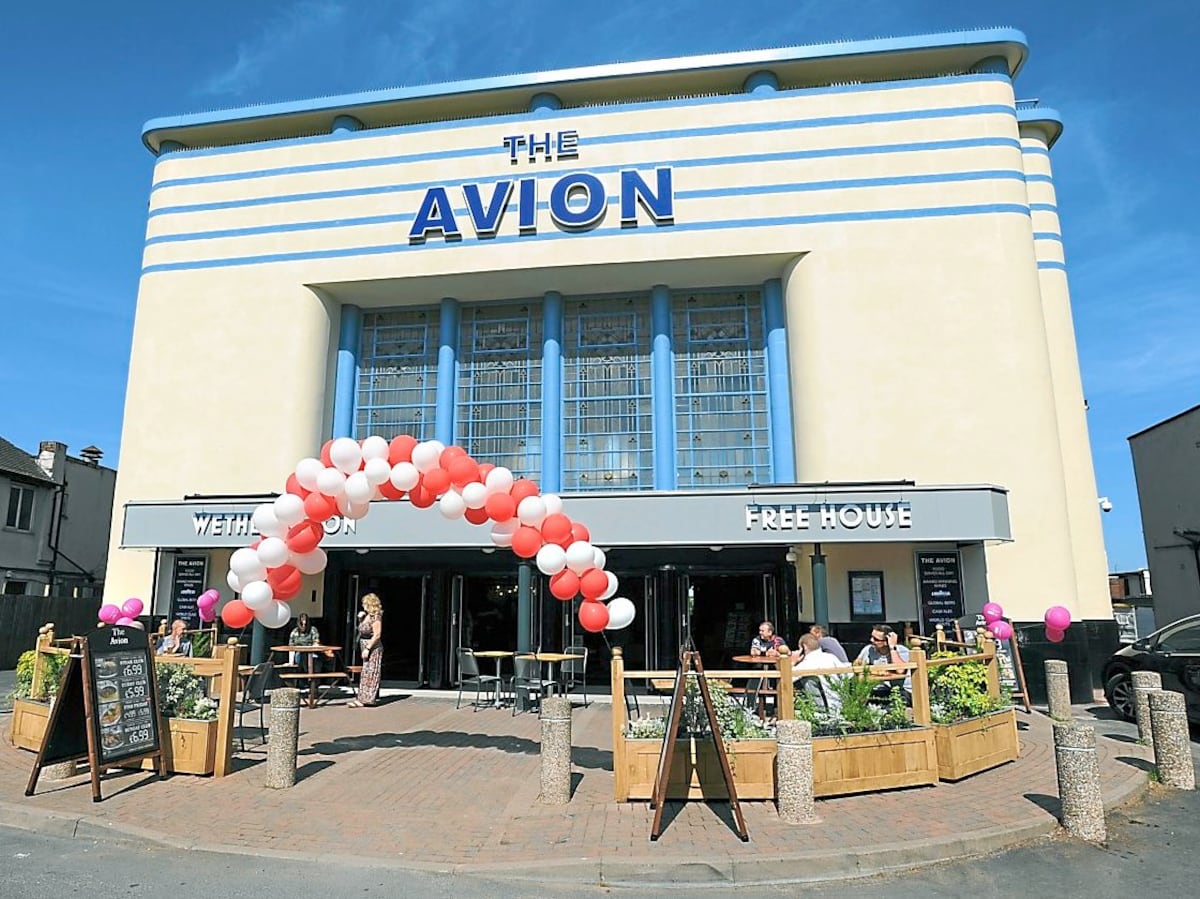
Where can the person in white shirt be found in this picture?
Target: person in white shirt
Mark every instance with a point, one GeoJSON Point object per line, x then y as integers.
{"type": "Point", "coordinates": [810, 657]}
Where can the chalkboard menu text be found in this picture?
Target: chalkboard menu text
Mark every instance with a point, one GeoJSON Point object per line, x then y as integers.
{"type": "Point", "coordinates": [126, 715]}
{"type": "Point", "coordinates": [939, 586]}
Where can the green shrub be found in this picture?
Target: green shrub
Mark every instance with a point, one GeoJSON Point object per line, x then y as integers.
{"type": "Point", "coordinates": [958, 692]}
{"type": "Point", "coordinates": [735, 721]}
{"type": "Point", "coordinates": [52, 669]}
{"type": "Point", "coordinates": [181, 693]}
{"type": "Point", "coordinates": [859, 712]}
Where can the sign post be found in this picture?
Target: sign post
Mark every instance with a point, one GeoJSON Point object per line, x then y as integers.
{"type": "Point", "coordinates": [939, 587]}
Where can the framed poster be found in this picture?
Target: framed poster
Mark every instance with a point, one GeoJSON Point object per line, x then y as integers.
{"type": "Point", "coordinates": [939, 588]}
{"type": "Point", "coordinates": [187, 583]}
{"type": "Point", "coordinates": [866, 596]}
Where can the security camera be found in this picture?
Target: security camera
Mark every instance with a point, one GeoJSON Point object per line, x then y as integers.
{"type": "Point", "coordinates": [1105, 504]}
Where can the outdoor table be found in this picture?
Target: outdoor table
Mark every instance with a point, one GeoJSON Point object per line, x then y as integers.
{"type": "Point", "coordinates": [499, 655]}
{"type": "Point", "coordinates": [550, 659]}
{"type": "Point", "coordinates": [310, 652]}
{"type": "Point", "coordinates": [766, 662]}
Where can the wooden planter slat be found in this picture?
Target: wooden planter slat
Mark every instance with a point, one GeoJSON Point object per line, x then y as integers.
{"type": "Point", "coordinates": [862, 763]}
{"type": "Point", "coordinates": [968, 747]}
{"type": "Point", "coordinates": [29, 720]}
{"type": "Point", "coordinates": [696, 770]}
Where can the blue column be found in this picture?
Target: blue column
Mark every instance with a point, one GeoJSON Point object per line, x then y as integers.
{"type": "Point", "coordinates": [662, 369]}
{"type": "Point", "coordinates": [779, 392]}
{"type": "Point", "coordinates": [552, 403]}
{"type": "Point", "coordinates": [345, 390]}
{"type": "Point", "coordinates": [447, 372]}
{"type": "Point", "coordinates": [544, 102]}
{"type": "Point", "coordinates": [346, 124]}
{"type": "Point", "coordinates": [762, 83]}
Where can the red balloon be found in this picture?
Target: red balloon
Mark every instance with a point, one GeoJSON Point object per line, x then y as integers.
{"type": "Point", "coordinates": [285, 581]}
{"type": "Point", "coordinates": [593, 583]}
{"type": "Point", "coordinates": [523, 488]}
{"type": "Point", "coordinates": [579, 532]}
{"type": "Point", "coordinates": [421, 497]}
{"type": "Point", "coordinates": [388, 490]}
{"type": "Point", "coordinates": [565, 584]}
{"type": "Point", "coordinates": [1054, 635]}
{"type": "Point", "coordinates": [484, 468]}
{"type": "Point", "coordinates": [326, 459]}
{"type": "Point", "coordinates": [526, 541]}
{"type": "Point", "coordinates": [294, 486]}
{"type": "Point", "coordinates": [593, 616]}
{"type": "Point", "coordinates": [235, 614]}
{"type": "Point", "coordinates": [319, 507]}
{"type": "Point", "coordinates": [449, 454]}
{"type": "Point", "coordinates": [476, 516]}
{"type": "Point", "coordinates": [556, 528]}
{"type": "Point", "coordinates": [436, 481]}
{"type": "Point", "coordinates": [400, 449]}
{"type": "Point", "coordinates": [500, 507]}
{"type": "Point", "coordinates": [463, 470]}
{"type": "Point", "coordinates": [304, 537]}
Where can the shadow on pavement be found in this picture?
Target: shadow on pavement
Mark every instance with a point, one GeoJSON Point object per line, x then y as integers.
{"type": "Point", "coordinates": [584, 756]}
{"type": "Point", "coordinates": [308, 769]}
{"type": "Point", "coordinates": [1051, 804]}
{"type": "Point", "coordinates": [1143, 764]}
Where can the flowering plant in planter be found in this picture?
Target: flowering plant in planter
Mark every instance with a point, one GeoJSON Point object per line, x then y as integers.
{"type": "Point", "coordinates": [959, 692]}
{"type": "Point", "coordinates": [854, 713]}
{"type": "Point", "coordinates": [52, 669]}
{"type": "Point", "coordinates": [735, 721]}
{"type": "Point", "coordinates": [181, 693]}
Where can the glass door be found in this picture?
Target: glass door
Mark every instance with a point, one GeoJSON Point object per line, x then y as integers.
{"type": "Point", "coordinates": [456, 625]}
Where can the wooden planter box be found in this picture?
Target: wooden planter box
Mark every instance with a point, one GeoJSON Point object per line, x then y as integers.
{"type": "Point", "coordinates": [866, 763]}
{"type": "Point", "coordinates": [29, 720]}
{"type": "Point", "coordinates": [977, 744]}
{"type": "Point", "coordinates": [696, 770]}
{"type": "Point", "coordinates": [191, 749]}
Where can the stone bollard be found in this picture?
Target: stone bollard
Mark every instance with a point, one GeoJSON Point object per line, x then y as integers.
{"type": "Point", "coordinates": [794, 771]}
{"type": "Point", "coordinates": [556, 750]}
{"type": "Point", "coordinates": [1172, 745]}
{"type": "Point", "coordinates": [60, 770]}
{"type": "Point", "coordinates": [1143, 683]}
{"type": "Point", "coordinates": [285, 735]}
{"type": "Point", "coordinates": [1058, 690]}
{"type": "Point", "coordinates": [1079, 780]}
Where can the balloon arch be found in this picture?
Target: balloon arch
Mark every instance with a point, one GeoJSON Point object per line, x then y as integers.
{"type": "Point", "coordinates": [349, 475]}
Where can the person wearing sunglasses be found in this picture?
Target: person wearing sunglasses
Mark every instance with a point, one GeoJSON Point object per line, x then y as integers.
{"type": "Point", "coordinates": [885, 648]}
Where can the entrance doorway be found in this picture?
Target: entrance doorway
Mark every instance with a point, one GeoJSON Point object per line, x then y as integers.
{"type": "Point", "coordinates": [726, 614]}
{"type": "Point", "coordinates": [483, 616]}
{"type": "Point", "coordinates": [403, 601]}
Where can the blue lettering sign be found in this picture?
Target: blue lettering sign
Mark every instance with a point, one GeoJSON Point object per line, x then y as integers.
{"type": "Point", "coordinates": [569, 187]}
{"type": "Point", "coordinates": [487, 221]}
{"type": "Point", "coordinates": [435, 214]}
{"type": "Point", "coordinates": [527, 206]}
{"type": "Point", "coordinates": [660, 204]}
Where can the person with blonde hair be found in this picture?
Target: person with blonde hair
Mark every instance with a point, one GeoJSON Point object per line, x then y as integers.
{"type": "Point", "coordinates": [370, 636]}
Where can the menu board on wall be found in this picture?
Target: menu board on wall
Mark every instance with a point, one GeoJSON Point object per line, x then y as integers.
{"type": "Point", "coordinates": [939, 587]}
{"type": "Point", "coordinates": [187, 583]}
{"type": "Point", "coordinates": [126, 709]}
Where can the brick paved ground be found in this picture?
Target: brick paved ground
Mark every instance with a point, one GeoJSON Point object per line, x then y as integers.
{"type": "Point", "coordinates": [416, 781]}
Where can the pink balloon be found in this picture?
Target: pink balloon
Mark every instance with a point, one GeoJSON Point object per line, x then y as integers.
{"type": "Point", "coordinates": [124, 621]}
{"type": "Point", "coordinates": [109, 613]}
{"type": "Point", "coordinates": [207, 600]}
{"type": "Point", "coordinates": [1058, 618]}
{"type": "Point", "coordinates": [992, 612]}
{"type": "Point", "coordinates": [132, 607]}
{"type": "Point", "coordinates": [1054, 635]}
{"type": "Point", "coordinates": [207, 614]}
{"type": "Point", "coordinates": [1001, 630]}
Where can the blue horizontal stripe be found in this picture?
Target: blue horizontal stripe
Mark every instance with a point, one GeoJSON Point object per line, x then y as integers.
{"type": "Point", "coordinates": [780, 221]}
{"type": "Point", "coordinates": [1046, 179]}
{"type": "Point", "coordinates": [751, 158]}
{"type": "Point", "coordinates": [638, 136]}
{"type": "Point", "coordinates": [1043, 207]}
{"type": "Point", "coordinates": [1047, 235]}
{"type": "Point", "coordinates": [580, 112]}
{"type": "Point", "coordinates": [707, 193]}
{"type": "Point", "coordinates": [1036, 151]}
{"type": "Point", "coordinates": [1058, 266]}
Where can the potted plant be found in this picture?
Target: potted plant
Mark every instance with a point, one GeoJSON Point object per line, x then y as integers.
{"type": "Point", "coordinates": [31, 713]}
{"type": "Point", "coordinates": [974, 728]}
{"type": "Point", "coordinates": [695, 768]}
{"type": "Point", "coordinates": [860, 745]}
{"type": "Point", "coordinates": [190, 742]}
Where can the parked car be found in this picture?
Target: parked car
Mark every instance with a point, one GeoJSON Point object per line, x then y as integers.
{"type": "Point", "coordinates": [1173, 651]}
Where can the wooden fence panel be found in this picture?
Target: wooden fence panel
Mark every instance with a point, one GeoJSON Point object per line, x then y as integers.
{"type": "Point", "coordinates": [21, 616]}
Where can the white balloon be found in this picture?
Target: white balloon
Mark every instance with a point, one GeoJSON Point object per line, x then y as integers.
{"type": "Point", "coordinates": [502, 532]}
{"type": "Point", "coordinates": [265, 521]}
{"type": "Point", "coordinates": [234, 582]}
{"type": "Point", "coordinates": [258, 595]}
{"type": "Point", "coordinates": [599, 559]}
{"type": "Point", "coordinates": [358, 488]}
{"type": "Point", "coordinates": [452, 505]}
{"type": "Point", "coordinates": [312, 562]}
{"type": "Point", "coordinates": [374, 447]}
{"type": "Point", "coordinates": [377, 471]}
{"type": "Point", "coordinates": [405, 476]}
{"type": "Point", "coordinates": [426, 455]}
{"type": "Point", "coordinates": [621, 613]}
{"type": "Point", "coordinates": [551, 559]}
{"type": "Point", "coordinates": [245, 563]}
{"type": "Point", "coordinates": [475, 495]}
{"type": "Point", "coordinates": [272, 552]}
{"type": "Point", "coordinates": [277, 614]}
{"type": "Point", "coordinates": [346, 454]}
{"type": "Point", "coordinates": [613, 583]}
{"type": "Point", "coordinates": [580, 556]}
{"type": "Point", "coordinates": [532, 511]}
{"type": "Point", "coordinates": [499, 480]}
{"type": "Point", "coordinates": [355, 511]}
{"type": "Point", "coordinates": [553, 501]}
{"type": "Point", "coordinates": [289, 510]}
{"type": "Point", "coordinates": [331, 482]}
{"type": "Point", "coordinates": [307, 471]}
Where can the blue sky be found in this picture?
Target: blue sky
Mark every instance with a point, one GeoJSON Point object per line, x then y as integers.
{"type": "Point", "coordinates": [80, 79]}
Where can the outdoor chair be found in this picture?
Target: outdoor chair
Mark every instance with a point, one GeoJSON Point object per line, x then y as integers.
{"type": "Point", "coordinates": [527, 678]}
{"type": "Point", "coordinates": [574, 671]}
{"type": "Point", "coordinates": [468, 673]}
{"type": "Point", "coordinates": [256, 694]}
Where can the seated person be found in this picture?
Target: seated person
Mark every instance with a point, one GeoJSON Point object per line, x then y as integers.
{"type": "Point", "coordinates": [811, 657]}
{"type": "Point", "coordinates": [175, 643]}
{"type": "Point", "coordinates": [885, 648]}
{"type": "Point", "coordinates": [304, 634]}
{"type": "Point", "coordinates": [829, 644]}
{"type": "Point", "coordinates": [767, 643]}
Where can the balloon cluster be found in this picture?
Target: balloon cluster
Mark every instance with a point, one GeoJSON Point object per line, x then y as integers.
{"type": "Point", "coordinates": [1058, 619]}
{"type": "Point", "coordinates": [349, 475]}
{"type": "Point", "coordinates": [206, 604]}
{"type": "Point", "coordinates": [993, 615]}
{"type": "Point", "coordinates": [124, 614]}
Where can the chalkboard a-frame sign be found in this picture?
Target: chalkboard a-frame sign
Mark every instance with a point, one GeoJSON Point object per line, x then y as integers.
{"type": "Point", "coordinates": [107, 706]}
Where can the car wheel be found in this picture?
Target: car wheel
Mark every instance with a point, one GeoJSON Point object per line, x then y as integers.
{"type": "Point", "coordinates": [1119, 693]}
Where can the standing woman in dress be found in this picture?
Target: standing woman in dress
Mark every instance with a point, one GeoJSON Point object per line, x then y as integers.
{"type": "Point", "coordinates": [370, 636]}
